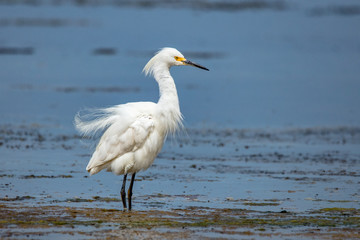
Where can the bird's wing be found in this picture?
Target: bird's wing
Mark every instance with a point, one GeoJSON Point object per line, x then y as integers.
{"type": "Point", "coordinates": [119, 139]}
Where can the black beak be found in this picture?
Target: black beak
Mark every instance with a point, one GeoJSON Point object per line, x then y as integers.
{"type": "Point", "coordinates": [195, 65]}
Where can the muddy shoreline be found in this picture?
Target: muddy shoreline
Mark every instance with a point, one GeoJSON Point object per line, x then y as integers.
{"type": "Point", "coordinates": [188, 223]}
{"type": "Point", "coordinates": [207, 183]}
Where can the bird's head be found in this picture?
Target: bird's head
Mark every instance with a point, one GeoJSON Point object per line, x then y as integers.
{"type": "Point", "coordinates": [169, 57]}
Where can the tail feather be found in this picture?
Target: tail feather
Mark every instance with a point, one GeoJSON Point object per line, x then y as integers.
{"type": "Point", "coordinates": [94, 170]}
{"type": "Point", "coordinates": [94, 121]}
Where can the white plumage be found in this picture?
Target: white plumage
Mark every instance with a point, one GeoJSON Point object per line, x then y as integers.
{"type": "Point", "coordinates": [134, 133]}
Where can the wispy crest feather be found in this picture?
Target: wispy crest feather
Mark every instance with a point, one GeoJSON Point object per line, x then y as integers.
{"type": "Point", "coordinates": [149, 67]}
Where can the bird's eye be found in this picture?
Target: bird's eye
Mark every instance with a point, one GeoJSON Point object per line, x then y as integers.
{"type": "Point", "coordinates": [177, 58]}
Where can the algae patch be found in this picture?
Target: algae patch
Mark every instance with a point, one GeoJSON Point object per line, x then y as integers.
{"type": "Point", "coordinates": [49, 216]}
{"type": "Point", "coordinates": [17, 198]}
{"type": "Point", "coordinates": [32, 176]}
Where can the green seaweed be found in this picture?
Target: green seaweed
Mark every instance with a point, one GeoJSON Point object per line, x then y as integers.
{"type": "Point", "coordinates": [17, 198]}
{"type": "Point", "coordinates": [226, 219]}
{"type": "Point", "coordinates": [261, 204]}
{"type": "Point", "coordinates": [32, 176]}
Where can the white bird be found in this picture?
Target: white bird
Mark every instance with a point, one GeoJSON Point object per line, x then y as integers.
{"type": "Point", "coordinates": [134, 132]}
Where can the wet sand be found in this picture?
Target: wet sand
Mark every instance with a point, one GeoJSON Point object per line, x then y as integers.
{"type": "Point", "coordinates": [207, 183]}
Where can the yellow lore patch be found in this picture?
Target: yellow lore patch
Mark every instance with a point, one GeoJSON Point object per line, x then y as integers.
{"type": "Point", "coordinates": [180, 59]}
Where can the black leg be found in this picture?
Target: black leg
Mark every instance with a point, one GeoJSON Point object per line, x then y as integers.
{"type": "Point", "coordinates": [130, 189]}
{"type": "Point", "coordinates": [122, 192]}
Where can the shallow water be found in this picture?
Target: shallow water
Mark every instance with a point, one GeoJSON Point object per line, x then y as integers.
{"type": "Point", "coordinates": [274, 180]}
{"type": "Point", "coordinates": [273, 127]}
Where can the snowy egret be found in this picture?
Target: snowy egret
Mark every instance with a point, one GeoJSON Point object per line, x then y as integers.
{"type": "Point", "coordinates": [134, 133]}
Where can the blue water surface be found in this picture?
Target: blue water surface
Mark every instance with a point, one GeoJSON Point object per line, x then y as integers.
{"type": "Point", "coordinates": [276, 64]}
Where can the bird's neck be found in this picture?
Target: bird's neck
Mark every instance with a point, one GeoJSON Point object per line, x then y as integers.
{"type": "Point", "coordinates": [167, 88]}
{"type": "Point", "coordinates": [168, 100]}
